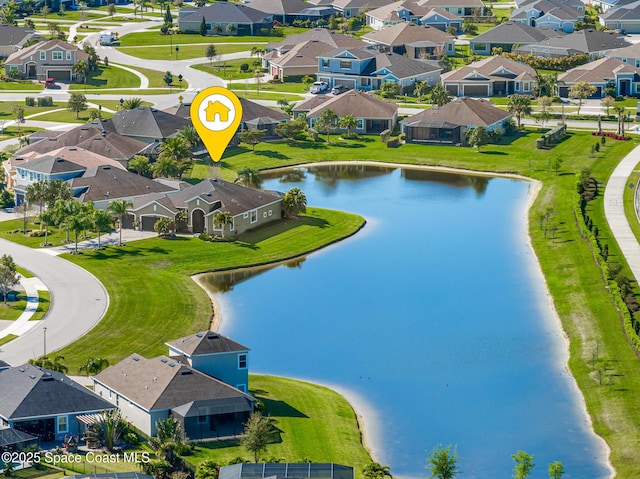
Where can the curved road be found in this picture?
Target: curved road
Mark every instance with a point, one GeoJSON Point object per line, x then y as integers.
{"type": "Point", "coordinates": [78, 302]}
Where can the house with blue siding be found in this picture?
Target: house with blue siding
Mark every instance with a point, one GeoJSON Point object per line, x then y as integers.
{"type": "Point", "coordinates": [367, 69]}
{"type": "Point", "coordinates": [603, 74]}
{"type": "Point", "coordinates": [215, 355]}
{"type": "Point", "coordinates": [45, 404]}
{"type": "Point", "coordinates": [554, 14]}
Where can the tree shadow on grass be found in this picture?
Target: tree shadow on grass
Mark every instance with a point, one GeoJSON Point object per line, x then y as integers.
{"type": "Point", "coordinates": [270, 230]}
{"type": "Point", "coordinates": [348, 145]}
{"type": "Point", "coordinates": [121, 252]}
{"type": "Point", "coordinates": [493, 152]}
{"type": "Point", "coordinates": [276, 408]}
{"type": "Point", "coordinates": [272, 154]}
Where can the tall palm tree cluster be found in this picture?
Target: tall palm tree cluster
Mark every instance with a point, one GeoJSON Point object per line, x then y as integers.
{"type": "Point", "coordinates": [56, 207]}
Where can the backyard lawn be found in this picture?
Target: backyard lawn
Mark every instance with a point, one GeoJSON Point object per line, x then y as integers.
{"type": "Point", "coordinates": [168, 52]}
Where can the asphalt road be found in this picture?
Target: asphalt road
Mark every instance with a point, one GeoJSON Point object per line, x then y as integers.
{"type": "Point", "coordinates": [78, 302]}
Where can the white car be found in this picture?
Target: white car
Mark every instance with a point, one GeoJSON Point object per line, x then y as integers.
{"type": "Point", "coordinates": [319, 87]}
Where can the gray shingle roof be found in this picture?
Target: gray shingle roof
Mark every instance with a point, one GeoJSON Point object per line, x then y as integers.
{"type": "Point", "coordinates": [462, 111]}
{"type": "Point", "coordinates": [12, 35]}
{"type": "Point", "coordinates": [358, 104]}
{"type": "Point", "coordinates": [488, 66]}
{"type": "Point", "coordinates": [227, 12]}
{"type": "Point", "coordinates": [335, 40]}
{"type": "Point", "coordinates": [452, 3]}
{"type": "Point", "coordinates": [51, 165]}
{"type": "Point", "coordinates": [27, 391]}
{"type": "Point", "coordinates": [163, 383]}
{"type": "Point", "coordinates": [598, 71]}
{"type": "Point", "coordinates": [206, 342]}
{"type": "Point", "coordinates": [278, 7]}
{"type": "Point", "coordinates": [587, 41]}
{"type": "Point", "coordinates": [145, 122]}
{"type": "Point", "coordinates": [514, 32]}
{"type": "Point", "coordinates": [403, 67]}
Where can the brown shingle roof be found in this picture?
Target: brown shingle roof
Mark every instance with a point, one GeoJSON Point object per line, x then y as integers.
{"type": "Point", "coordinates": [488, 66]}
{"type": "Point", "coordinates": [407, 32]}
{"type": "Point", "coordinates": [336, 40]}
{"type": "Point", "coordinates": [163, 383]}
{"type": "Point", "coordinates": [358, 104]}
{"type": "Point", "coordinates": [462, 111]}
{"type": "Point", "coordinates": [598, 71]}
{"type": "Point", "coordinates": [16, 58]}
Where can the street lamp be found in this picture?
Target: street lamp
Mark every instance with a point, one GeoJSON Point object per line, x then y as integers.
{"type": "Point", "coordinates": [170, 43]}
{"type": "Point", "coordinates": [99, 111]}
{"type": "Point", "coordinates": [121, 103]}
{"type": "Point", "coordinates": [44, 331]}
{"type": "Point", "coordinates": [177, 50]}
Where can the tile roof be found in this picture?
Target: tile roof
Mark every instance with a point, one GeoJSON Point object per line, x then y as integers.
{"type": "Point", "coordinates": [27, 391]}
{"type": "Point", "coordinates": [514, 32]}
{"type": "Point", "coordinates": [163, 383]}
{"type": "Point", "coordinates": [206, 342]}
{"type": "Point", "coordinates": [358, 104]}
{"type": "Point", "coordinates": [462, 111]}
{"type": "Point", "coordinates": [407, 32]}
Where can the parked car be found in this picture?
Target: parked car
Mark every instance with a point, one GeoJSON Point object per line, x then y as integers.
{"type": "Point", "coordinates": [319, 87]}
{"type": "Point", "coordinates": [49, 83]}
{"type": "Point", "coordinates": [336, 90]}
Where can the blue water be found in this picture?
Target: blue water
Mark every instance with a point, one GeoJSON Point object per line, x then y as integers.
{"type": "Point", "coordinates": [434, 316]}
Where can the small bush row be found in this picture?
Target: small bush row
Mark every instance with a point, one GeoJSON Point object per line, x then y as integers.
{"type": "Point", "coordinates": [609, 134]}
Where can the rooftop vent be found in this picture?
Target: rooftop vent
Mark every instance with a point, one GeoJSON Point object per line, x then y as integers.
{"type": "Point", "coordinates": [163, 360]}
{"type": "Point", "coordinates": [213, 336]}
{"type": "Point", "coordinates": [173, 365]}
{"type": "Point", "coordinates": [47, 379]}
{"type": "Point", "coordinates": [136, 358]}
{"type": "Point", "coordinates": [22, 370]}
{"type": "Point", "coordinates": [184, 372]}
{"type": "Point", "coordinates": [199, 335]}
{"type": "Point", "coordinates": [32, 376]}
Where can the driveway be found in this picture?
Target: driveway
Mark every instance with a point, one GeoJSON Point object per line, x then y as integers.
{"type": "Point", "coordinates": [78, 302]}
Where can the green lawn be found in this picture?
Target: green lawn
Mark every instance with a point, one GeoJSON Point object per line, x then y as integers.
{"type": "Point", "coordinates": [167, 52]}
{"type": "Point", "coordinates": [44, 301]}
{"type": "Point", "coordinates": [6, 109]}
{"type": "Point", "coordinates": [313, 423]}
{"type": "Point", "coordinates": [22, 86]}
{"type": "Point", "coordinates": [230, 69]}
{"type": "Point", "coordinates": [6, 339]}
{"type": "Point", "coordinates": [287, 87]}
{"type": "Point", "coordinates": [108, 77]}
{"type": "Point", "coordinates": [66, 116]}
{"type": "Point", "coordinates": [152, 297]}
{"type": "Point", "coordinates": [139, 39]}
{"type": "Point", "coordinates": [75, 15]}
{"type": "Point", "coordinates": [266, 95]}
{"type": "Point", "coordinates": [12, 231]}
{"type": "Point", "coordinates": [13, 309]}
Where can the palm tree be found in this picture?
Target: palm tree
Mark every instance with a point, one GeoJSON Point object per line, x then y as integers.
{"type": "Point", "coordinates": [94, 365]}
{"type": "Point", "coordinates": [222, 219]}
{"type": "Point", "coordinates": [191, 136]}
{"type": "Point", "coordinates": [63, 210]}
{"type": "Point", "coordinates": [248, 177]}
{"type": "Point", "coordinates": [119, 208]}
{"type": "Point", "coordinates": [519, 105]}
{"type": "Point", "coordinates": [375, 470]}
{"type": "Point", "coordinates": [167, 438]}
{"type": "Point", "coordinates": [107, 430]}
{"type": "Point", "coordinates": [101, 222]}
{"type": "Point", "coordinates": [55, 365]}
{"type": "Point", "coordinates": [57, 190]}
{"type": "Point", "coordinates": [165, 168]}
{"type": "Point", "coordinates": [131, 103]}
{"type": "Point", "coordinates": [294, 202]}
{"type": "Point", "coordinates": [37, 193]}
{"type": "Point", "coordinates": [175, 148]}
{"type": "Point", "coordinates": [47, 217]}
{"type": "Point", "coordinates": [348, 122]}
{"type": "Point", "coordinates": [81, 68]}
{"type": "Point", "coordinates": [77, 223]}
{"type": "Point", "coordinates": [419, 89]}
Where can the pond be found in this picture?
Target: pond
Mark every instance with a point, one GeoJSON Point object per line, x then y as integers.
{"type": "Point", "coordinates": [433, 320]}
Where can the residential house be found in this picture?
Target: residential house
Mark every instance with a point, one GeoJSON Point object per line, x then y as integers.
{"type": "Point", "coordinates": [225, 18]}
{"type": "Point", "coordinates": [447, 124]}
{"type": "Point", "coordinates": [254, 116]}
{"type": "Point", "coordinates": [248, 207]}
{"type": "Point", "coordinates": [461, 8]}
{"type": "Point", "coordinates": [353, 8]}
{"type": "Point", "coordinates": [372, 114]}
{"type": "Point", "coordinates": [630, 54]}
{"type": "Point", "coordinates": [441, 19]}
{"type": "Point", "coordinates": [491, 76]}
{"type": "Point", "coordinates": [44, 403]}
{"type": "Point", "coordinates": [603, 73]}
{"type": "Point", "coordinates": [623, 17]}
{"type": "Point", "coordinates": [606, 5]}
{"type": "Point", "coordinates": [305, 470]}
{"type": "Point", "coordinates": [144, 124]}
{"type": "Point", "coordinates": [47, 59]}
{"type": "Point", "coordinates": [552, 14]}
{"type": "Point", "coordinates": [148, 390]}
{"type": "Point", "coordinates": [593, 42]}
{"type": "Point", "coordinates": [297, 54]}
{"type": "Point", "coordinates": [287, 11]}
{"type": "Point", "coordinates": [14, 38]}
{"type": "Point", "coordinates": [368, 69]}
{"type": "Point", "coordinates": [62, 164]}
{"type": "Point", "coordinates": [414, 41]}
{"type": "Point", "coordinates": [508, 34]}
{"type": "Point", "coordinates": [216, 355]}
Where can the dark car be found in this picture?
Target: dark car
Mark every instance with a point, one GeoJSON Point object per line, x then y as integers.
{"type": "Point", "coordinates": [49, 83]}
{"type": "Point", "coordinates": [336, 90]}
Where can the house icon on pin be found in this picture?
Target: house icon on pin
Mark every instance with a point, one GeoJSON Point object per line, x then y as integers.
{"type": "Point", "coordinates": [217, 109]}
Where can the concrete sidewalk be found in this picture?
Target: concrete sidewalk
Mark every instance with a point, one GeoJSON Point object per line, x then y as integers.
{"type": "Point", "coordinates": [105, 239]}
{"type": "Point", "coordinates": [614, 210]}
{"type": "Point", "coordinates": [23, 323]}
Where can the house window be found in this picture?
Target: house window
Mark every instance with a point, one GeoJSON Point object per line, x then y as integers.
{"type": "Point", "coordinates": [202, 417]}
{"type": "Point", "coordinates": [360, 125]}
{"type": "Point", "coordinates": [43, 55]}
{"type": "Point", "coordinates": [232, 226]}
{"type": "Point", "coordinates": [450, 47]}
{"type": "Point", "coordinates": [63, 425]}
{"type": "Point", "coordinates": [325, 63]}
{"type": "Point", "coordinates": [345, 64]}
{"type": "Point", "coordinates": [56, 55]}
{"type": "Point", "coordinates": [254, 216]}
{"type": "Point", "coordinates": [526, 86]}
{"type": "Point", "coordinates": [241, 387]}
{"type": "Point", "coordinates": [480, 46]}
{"type": "Point", "coordinates": [242, 361]}
{"type": "Point", "coordinates": [68, 55]}
{"type": "Point", "coordinates": [517, 86]}
{"type": "Point", "coordinates": [13, 67]}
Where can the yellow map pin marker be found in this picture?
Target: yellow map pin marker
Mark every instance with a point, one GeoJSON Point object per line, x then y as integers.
{"type": "Point", "coordinates": [216, 114]}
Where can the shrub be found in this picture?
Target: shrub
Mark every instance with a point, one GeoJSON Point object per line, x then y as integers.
{"type": "Point", "coordinates": [204, 237]}
{"type": "Point", "coordinates": [45, 101]}
{"type": "Point", "coordinates": [30, 101]}
{"type": "Point", "coordinates": [244, 67]}
{"type": "Point", "coordinates": [37, 234]}
{"type": "Point", "coordinates": [393, 143]}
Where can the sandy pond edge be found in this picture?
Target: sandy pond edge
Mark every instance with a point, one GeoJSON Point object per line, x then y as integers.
{"type": "Point", "coordinates": [361, 410]}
